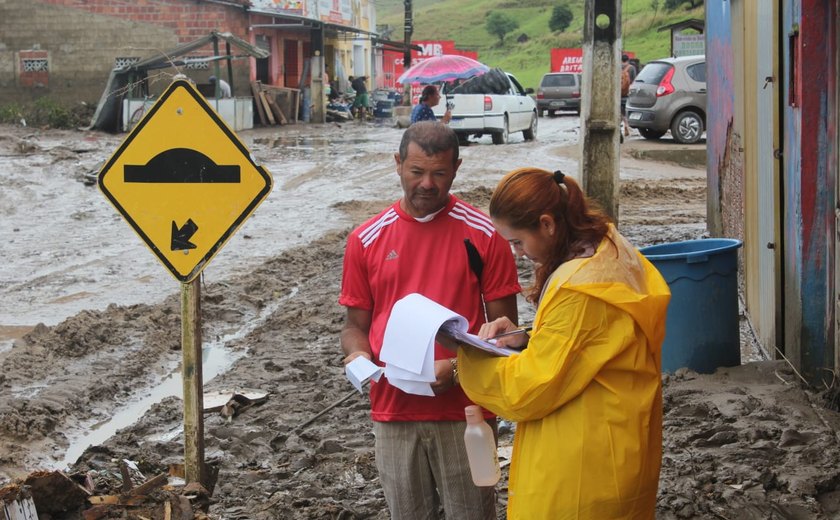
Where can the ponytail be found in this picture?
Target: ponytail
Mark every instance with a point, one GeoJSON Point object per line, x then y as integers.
{"type": "Point", "coordinates": [525, 194]}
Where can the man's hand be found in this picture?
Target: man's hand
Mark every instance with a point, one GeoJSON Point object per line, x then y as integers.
{"type": "Point", "coordinates": [444, 376]}
{"type": "Point", "coordinates": [354, 335]}
{"type": "Point", "coordinates": [447, 116]}
{"type": "Point", "coordinates": [447, 342]}
{"type": "Point", "coordinates": [356, 354]}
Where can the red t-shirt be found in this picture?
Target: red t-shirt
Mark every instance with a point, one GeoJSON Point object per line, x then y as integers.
{"type": "Point", "coordinates": [393, 255]}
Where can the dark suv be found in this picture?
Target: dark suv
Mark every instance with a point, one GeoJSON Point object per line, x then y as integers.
{"type": "Point", "coordinates": [558, 91]}
{"type": "Point", "coordinates": [670, 94]}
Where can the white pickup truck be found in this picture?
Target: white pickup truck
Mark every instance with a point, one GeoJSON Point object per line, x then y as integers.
{"type": "Point", "coordinates": [494, 103]}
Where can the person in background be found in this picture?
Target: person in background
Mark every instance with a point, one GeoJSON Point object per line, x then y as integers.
{"type": "Point", "coordinates": [224, 88]}
{"type": "Point", "coordinates": [429, 98]}
{"type": "Point", "coordinates": [360, 103]}
{"type": "Point", "coordinates": [628, 75]}
{"type": "Point", "coordinates": [587, 391]}
{"type": "Point", "coordinates": [418, 245]}
{"type": "Point", "coordinates": [325, 82]}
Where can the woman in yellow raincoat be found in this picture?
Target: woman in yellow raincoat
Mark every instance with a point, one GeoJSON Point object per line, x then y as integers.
{"type": "Point", "coordinates": [586, 392]}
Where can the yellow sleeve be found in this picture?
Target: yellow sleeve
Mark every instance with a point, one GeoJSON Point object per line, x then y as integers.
{"type": "Point", "coordinates": [578, 335]}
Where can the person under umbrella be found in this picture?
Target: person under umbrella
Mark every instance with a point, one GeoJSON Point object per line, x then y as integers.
{"type": "Point", "coordinates": [430, 97]}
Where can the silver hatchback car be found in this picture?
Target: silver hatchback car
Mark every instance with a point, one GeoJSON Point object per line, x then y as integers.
{"type": "Point", "coordinates": [670, 94]}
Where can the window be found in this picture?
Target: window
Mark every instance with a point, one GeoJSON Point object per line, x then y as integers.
{"type": "Point", "coordinates": [35, 65]}
{"type": "Point", "coordinates": [697, 72]}
{"type": "Point", "coordinates": [196, 64]}
{"type": "Point", "coordinates": [124, 63]}
{"type": "Point", "coordinates": [558, 80]}
{"type": "Point", "coordinates": [33, 68]}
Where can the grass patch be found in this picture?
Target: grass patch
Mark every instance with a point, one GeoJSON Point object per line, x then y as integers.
{"type": "Point", "coordinates": [46, 112]}
{"type": "Point", "coordinates": [463, 22]}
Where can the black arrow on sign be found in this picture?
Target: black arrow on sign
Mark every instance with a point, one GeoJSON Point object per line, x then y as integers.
{"type": "Point", "coordinates": [181, 237]}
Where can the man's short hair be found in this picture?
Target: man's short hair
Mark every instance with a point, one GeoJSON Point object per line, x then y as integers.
{"type": "Point", "coordinates": [625, 57]}
{"type": "Point", "coordinates": [432, 137]}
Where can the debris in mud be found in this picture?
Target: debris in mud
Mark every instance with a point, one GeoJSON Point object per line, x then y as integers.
{"type": "Point", "coordinates": [93, 495]}
{"type": "Point", "coordinates": [230, 403]}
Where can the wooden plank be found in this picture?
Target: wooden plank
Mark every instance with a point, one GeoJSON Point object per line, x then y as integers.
{"type": "Point", "coordinates": [104, 499]}
{"type": "Point", "coordinates": [256, 88]}
{"type": "Point", "coordinates": [278, 114]}
{"type": "Point", "coordinates": [126, 476]}
{"type": "Point", "coordinates": [151, 484]}
{"type": "Point", "coordinates": [267, 108]}
{"type": "Point", "coordinates": [96, 512]}
{"type": "Point", "coordinates": [20, 508]}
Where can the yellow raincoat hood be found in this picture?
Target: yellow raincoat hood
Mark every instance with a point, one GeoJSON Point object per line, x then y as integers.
{"type": "Point", "coordinates": [586, 393]}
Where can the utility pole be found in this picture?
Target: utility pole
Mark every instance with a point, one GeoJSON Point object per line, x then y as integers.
{"type": "Point", "coordinates": [601, 103]}
{"type": "Point", "coordinates": [407, 31]}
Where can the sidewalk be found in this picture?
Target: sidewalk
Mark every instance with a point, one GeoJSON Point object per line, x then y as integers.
{"type": "Point", "coordinates": [665, 150]}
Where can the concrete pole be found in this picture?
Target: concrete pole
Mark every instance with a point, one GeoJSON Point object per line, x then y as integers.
{"type": "Point", "coordinates": [316, 91]}
{"type": "Point", "coordinates": [601, 103]}
{"type": "Point", "coordinates": [407, 32]}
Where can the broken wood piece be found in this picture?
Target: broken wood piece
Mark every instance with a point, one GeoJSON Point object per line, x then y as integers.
{"type": "Point", "coordinates": [167, 510]}
{"type": "Point", "coordinates": [17, 504]}
{"type": "Point", "coordinates": [96, 512]}
{"type": "Point", "coordinates": [256, 88]}
{"type": "Point", "coordinates": [150, 485]}
{"type": "Point", "coordinates": [104, 499]}
{"type": "Point", "coordinates": [55, 492]}
{"type": "Point", "coordinates": [126, 477]}
{"type": "Point", "coordinates": [267, 108]}
{"type": "Point", "coordinates": [278, 113]}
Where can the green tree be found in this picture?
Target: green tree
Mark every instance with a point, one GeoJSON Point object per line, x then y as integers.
{"type": "Point", "coordinates": [654, 6]}
{"type": "Point", "coordinates": [561, 18]}
{"type": "Point", "coordinates": [499, 24]}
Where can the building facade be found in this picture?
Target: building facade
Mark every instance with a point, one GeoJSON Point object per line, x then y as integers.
{"type": "Point", "coordinates": [772, 155]}
{"type": "Point", "coordinates": [66, 49]}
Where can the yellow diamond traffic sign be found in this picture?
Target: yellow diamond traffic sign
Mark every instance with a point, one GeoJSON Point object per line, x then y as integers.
{"type": "Point", "coordinates": [184, 181]}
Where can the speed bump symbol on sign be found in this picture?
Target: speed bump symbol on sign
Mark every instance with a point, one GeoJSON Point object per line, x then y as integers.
{"type": "Point", "coordinates": [184, 181]}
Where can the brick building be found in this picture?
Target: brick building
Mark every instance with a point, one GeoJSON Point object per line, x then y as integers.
{"type": "Point", "coordinates": [66, 49]}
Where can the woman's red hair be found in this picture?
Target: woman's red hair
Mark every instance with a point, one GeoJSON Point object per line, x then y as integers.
{"type": "Point", "coordinates": [525, 194]}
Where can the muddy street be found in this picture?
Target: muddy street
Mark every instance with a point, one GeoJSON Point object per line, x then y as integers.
{"type": "Point", "coordinates": [90, 334]}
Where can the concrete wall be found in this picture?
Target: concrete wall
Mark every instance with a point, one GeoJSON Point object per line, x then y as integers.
{"type": "Point", "coordinates": [82, 40]}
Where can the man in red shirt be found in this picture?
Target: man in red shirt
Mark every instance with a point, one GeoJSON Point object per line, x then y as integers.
{"type": "Point", "coordinates": [420, 244]}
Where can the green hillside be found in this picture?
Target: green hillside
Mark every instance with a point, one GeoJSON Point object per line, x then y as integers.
{"type": "Point", "coordinates": [463, 22]}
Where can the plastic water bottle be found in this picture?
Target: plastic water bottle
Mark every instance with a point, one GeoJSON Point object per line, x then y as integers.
{"type": "Point", "coordinates": [481, 448]}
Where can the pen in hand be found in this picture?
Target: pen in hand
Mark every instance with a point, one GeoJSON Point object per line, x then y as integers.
{"type": "Point", "coordinates": [521, 330]}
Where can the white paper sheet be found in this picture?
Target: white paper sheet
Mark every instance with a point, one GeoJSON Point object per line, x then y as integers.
{"type": "Point", "coordinates": [408, 348]}
{"type": "Point", "coordinates": [360, 370]}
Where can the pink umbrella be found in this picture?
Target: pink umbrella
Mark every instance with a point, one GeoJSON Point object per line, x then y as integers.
{"type": "Point", "coordinates": [443, 68]}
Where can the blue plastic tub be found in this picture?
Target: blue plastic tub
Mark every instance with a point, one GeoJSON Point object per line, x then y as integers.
{"type": "Point", "coordinates": [702, 331]}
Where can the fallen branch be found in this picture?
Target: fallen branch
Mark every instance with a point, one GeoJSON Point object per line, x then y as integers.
{"type": "Point", "coordinates": [792, 367]}
{"type": "Point", "coordinates": [325, 410]}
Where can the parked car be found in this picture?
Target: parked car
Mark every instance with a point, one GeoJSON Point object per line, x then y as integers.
{"type": "Point", "coordinates": [670, 94]}
{"type": "Point", "coordinates": [558, 91]}
{"type": "Point", "coordinates": [493, 103]}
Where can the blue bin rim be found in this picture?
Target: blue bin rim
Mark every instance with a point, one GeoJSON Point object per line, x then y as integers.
{"type": "Point", "coordinates": [707, 246]}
